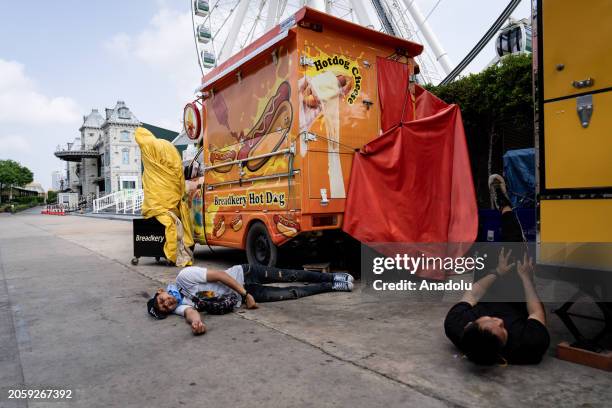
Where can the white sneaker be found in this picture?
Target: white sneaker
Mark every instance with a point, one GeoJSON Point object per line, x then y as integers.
{"type": "Point", "coordinates": [343, 277]}
{"type": "Point", "coordinates": [498, 192]}
{"type": "Point", "coordinates": [342, 286]}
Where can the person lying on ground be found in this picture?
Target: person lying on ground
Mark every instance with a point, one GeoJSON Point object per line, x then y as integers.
{"type": "Point", "coordinates": [247, 282]}
{"type": "Point", "coordinates": [490, 332]}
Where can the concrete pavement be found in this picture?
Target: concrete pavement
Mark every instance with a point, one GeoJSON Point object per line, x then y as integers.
{"type": "Point", "coordinates": [72, 313]}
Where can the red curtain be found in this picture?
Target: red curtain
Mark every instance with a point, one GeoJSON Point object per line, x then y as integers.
{"type": "Point", "coordinates": [413, 184]}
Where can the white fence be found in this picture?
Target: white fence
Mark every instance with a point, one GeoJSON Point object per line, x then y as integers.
{"type": "Point", "coordinates": [124, 201]}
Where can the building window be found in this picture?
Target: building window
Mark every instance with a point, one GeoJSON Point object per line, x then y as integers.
{"type": "Point", "coordinates": [128, 185]}
{"type": "Point", "coordinates": [125, 136]}
{"type": "Point", "coordinates": [107, 157]}
{"type": "Point", "coordinates": [126, 156]}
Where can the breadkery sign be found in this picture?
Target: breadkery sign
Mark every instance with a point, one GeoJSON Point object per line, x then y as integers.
{"type": "Point", "coordinates": [268, 198]}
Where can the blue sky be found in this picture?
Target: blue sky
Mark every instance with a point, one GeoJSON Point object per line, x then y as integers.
{"type": "Point", "coordinates": [60, 59]}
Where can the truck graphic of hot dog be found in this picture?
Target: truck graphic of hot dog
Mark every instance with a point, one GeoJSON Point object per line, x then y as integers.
{"type": "Point", "coordinates": [283, 119]}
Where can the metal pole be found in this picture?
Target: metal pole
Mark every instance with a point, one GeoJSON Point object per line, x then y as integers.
{"type": "Point", "coordinates": [232, 35]}
{"type": "Point", "coordinates": [272, 12]}
{"type": "Point", "coordinates": [481, 44]}
{"type": "Point", "coordinates": [316, 4]}
{"type": "Point", "coordinates": [429, 35]}
{"type": "Point", "coordinates": [361, 12]}
{"type": "Point", "coordinates": [383, 17]}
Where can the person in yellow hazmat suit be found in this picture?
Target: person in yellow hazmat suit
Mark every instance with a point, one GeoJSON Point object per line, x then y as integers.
{"type": "Point", "coordinates": [163, 183]}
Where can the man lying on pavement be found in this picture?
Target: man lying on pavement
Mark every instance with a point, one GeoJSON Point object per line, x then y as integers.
{"type": "Point", "coordinates": [489, 331]}
{"type": "Point", "coordinates": [246, 282]}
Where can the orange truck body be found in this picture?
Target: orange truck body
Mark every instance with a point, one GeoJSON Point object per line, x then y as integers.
{"type": "Point", "coordinates": [281, 121]}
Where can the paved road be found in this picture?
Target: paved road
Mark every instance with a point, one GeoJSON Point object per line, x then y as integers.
{"type": "Point", "coordinates": [72, 315]}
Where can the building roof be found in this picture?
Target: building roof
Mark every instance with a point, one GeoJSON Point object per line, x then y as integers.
{"type": "Point", "coordinates": [93, 120]}
{"type": "Point", "coordinates": [34, 186]}
{"type": "Point", "coordinates": [182, 140]}
{"type": "Point", "coordinates": [159, 132]}
{"type": "Point", "coordinates": [166, 134]}
{"type": "Point", "coordinates": [120, 114]}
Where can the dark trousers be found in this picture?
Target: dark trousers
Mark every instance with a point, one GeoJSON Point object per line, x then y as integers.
{"type": "Point", "coordinates": [511, 230]}
{"type": "Point", "coordinates": [255, 276]}
{"type": "Point", "coordinates": [508, 288]}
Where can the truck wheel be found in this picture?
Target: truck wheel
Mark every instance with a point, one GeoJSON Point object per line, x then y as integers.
{"type": "Point", "coordinates": [260, 249]}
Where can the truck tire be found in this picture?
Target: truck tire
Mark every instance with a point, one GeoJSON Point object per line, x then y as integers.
{"type": "Point", "coordinates": [260, 249]}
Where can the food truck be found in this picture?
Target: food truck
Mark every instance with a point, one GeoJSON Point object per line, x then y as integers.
{"type": "Point", "coordinates": [277, 126]}
{"type": "Point", "coordinates": [573, 77]}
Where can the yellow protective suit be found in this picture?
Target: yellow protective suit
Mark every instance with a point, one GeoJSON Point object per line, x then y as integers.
{"type": "Point", "coordinates": [163, 183]}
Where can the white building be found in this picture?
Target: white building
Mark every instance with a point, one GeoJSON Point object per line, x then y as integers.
{"type": "Point", "coordinates": [105, 157]}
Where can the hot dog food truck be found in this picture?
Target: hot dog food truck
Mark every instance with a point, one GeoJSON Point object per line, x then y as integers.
{"type": "Point", "coordinates": [277, 126]}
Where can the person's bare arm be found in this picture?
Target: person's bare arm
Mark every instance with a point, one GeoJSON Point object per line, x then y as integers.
{"type": "Point", "coordinates": [480, 287]}
{"type": "Point", "coordinates": [227, 280]}
{"type": "Point", "coordinates": [193, 318]}
{"type": "Point", "coordinates": [534, 304]}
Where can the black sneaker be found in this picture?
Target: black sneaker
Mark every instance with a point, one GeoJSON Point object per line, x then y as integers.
{"type": "Point", "coordinates": [498, 192]}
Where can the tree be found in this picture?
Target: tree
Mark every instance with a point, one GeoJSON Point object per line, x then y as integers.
{"type": "Point", "coordinates": [51, 196]}
{"type": "Point", "coordinates": [497, 110]}
{"type": "Point", "coordinates": [13, 174]}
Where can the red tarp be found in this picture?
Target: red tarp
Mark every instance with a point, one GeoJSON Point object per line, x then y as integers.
{"type": "Point", "coordinates": [412, 184]}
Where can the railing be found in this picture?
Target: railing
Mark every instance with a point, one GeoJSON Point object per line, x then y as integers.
{"type": "Point", "coordinates": [106, 201]}
{"type": "Point", "coordinates": [124, 201]}
{"type": "Point", "coordinates": [138, 199]}
{"type": "Point", "coordinates": [133, 201]}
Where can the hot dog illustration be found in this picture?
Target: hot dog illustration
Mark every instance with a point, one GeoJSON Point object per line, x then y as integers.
{"type": "Point", "coordinates": [218, 226]}
{"type": "Point", "coordinates": [270, 130]}
{"type": "Point", "coordinates": [286, 226]}
{"type": "Point", "coordinates": [236, 223]}
{"type": "Point", "coordinates": [218, 157]}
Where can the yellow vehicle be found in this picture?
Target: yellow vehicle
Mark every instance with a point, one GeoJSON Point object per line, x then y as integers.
{"type": "Point", "coordinates": [573, 72]}
{"type": "Point", "coordinates": [574, 82]}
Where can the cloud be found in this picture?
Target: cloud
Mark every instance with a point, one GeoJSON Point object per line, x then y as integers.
{"type": "Point", "coordinates": [119, 44]}
{"type": "Point", "coordinates": [14, 144]}
{"type": "Point", "coordinates": [164, 50]}
{"type": "Point", "coordinates": [22, 103]}
{"type": "Point", "coordinates": [165, 45]}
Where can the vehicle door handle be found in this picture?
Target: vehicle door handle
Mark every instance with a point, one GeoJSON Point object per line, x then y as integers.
{"type": "Point", "coordinates": [585, 83]}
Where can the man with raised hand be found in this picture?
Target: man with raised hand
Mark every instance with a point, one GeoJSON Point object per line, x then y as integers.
{"type": "Point", "coordinates": [496, 332]}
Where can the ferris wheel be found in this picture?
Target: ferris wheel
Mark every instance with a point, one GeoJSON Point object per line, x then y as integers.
{"type": "Point", "coordinates": [224, 27]}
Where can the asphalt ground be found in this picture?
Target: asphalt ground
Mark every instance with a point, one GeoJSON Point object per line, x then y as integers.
{"type": "Point", "coordinates": [73, 315]}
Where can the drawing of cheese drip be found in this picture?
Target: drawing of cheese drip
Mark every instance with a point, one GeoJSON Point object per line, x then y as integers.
{"type": "Point", "coordinates": [326, 87]}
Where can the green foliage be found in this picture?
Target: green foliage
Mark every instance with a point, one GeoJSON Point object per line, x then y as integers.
{"type": "Point", "coordinates": [500, 91]}
{"type": "Point", "coordinates": [52, 196]}
{"type": "Point", "coordinates": [14, 208]}
{"type": "Point", "coordinates": [14, 173]}
{"type": "Point", "coordinates": [497, 110]}
{"type": "Point", "coordinates": [29, 200]}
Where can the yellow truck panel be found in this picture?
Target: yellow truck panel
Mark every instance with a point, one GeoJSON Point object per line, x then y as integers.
{"type": "Point", "coordinates": [578, 157]}
{"type": "Point", "coordinates": [576, 233]}
{"type": "Point", "coordinates": [576, 46]}
{"type": "Point", "coordinates": [574, 66]}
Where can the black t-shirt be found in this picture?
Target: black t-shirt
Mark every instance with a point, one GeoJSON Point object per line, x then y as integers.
{"type": "Point", "coordinates": [528, 339]}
